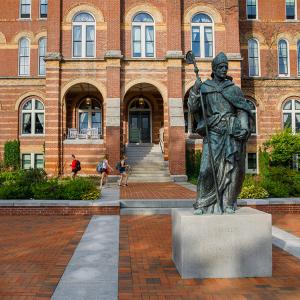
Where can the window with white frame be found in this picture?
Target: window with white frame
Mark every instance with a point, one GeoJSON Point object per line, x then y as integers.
{"type": "Point", "coordinates": [25, 9]}
{"type": "Point", "coordinates": [290, 9]}
{"type": "Point", "coordinates": [251, 9]}
{"type": "Point", "coordinates": [202, 36]}
{"type": "Point", "coordinates": [143, 39]}
{"type": "Point", "coordinates": [298, 56]}
{"type": "Point", "coordinates": [32, 117]}
{"type": "Point", "coordinates": [90, 115]}
{"type": "Point", "coordinates": [283, 58]}
{"type": "Point", "coordinates": [43, 9]}
{"type": "Point", "coordinates": [254, 112]}
{"type": "Point", "coordinates": [84, 35]}
{"type": "Point", "coordinates": [253, 57]}
{"type": "Point", "coordinates": [291, 115]}
{"type": "Point", "coordinates": [32, 161]}
{"type": "Point", "coordinates": [42, 53]}
{"type": "Point", "coordinates": [24, 57]}
{"type": "Point", "coordinates": [251, 163]}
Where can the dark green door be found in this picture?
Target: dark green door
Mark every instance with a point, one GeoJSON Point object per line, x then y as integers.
{"type": "Point", "coordinates": [139, 127]}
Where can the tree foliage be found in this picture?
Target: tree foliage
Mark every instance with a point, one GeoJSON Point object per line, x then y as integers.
{"type": "Point", "coordinates": [12, 154]}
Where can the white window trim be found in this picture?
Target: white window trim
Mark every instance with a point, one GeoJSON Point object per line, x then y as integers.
{"type": "Point", "coordinates": [293, 111]}
{"type": "Point", "coordinates": [42, 18]}
{"type": "Point", "coordinates": [256, 11]}
{"type": "Point", "coordinates": [258, 50]}
{"type": "Point", "coordinates": [19, 48]}
{"type": "Point", "coordinates": [32, 112]}
{"type": "Point", "coordinates": [143, 25]}
{"type": "Point", "coordinates": [202, 25]}
{"type": "Point", "coordinates": [296, 17]}
{"type": "Point", "coordinates": [32, 158]}
{"type": "Point", "coordinates": [251, 171]}
{"type": "Point", "coordinates": [142, 109]}
{"type": "Point", "coordinates": [83, 26]}
{"type": "Point", "coordinates": [298, 55]}
{"type": "Point", "coordinates": [20, 12]}
{"type": "Point", "coordinates": [288, 59]}
{"type": "Point", "coordinates": [39, 70]}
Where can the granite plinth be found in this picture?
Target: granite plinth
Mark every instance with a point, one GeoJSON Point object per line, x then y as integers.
{"type": "Point", "coordinates": [222, 246]}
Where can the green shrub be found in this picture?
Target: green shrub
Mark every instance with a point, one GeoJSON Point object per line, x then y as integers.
{"type": "Point", "coordinates": [77, 189]}
{"type": "Point", "coordinates": [253, 192]}
{"type": "Point", "coordinates": [12, 154]}
{"type": "Point", "coordinates": [93, 195]}
{"type": "Point", "coordinates": [275, 188]}
{"type": "Point", "coordinates": [15, 191]}
{"type": "Point", "coordinates": [50, 189]}
{"type": "Point", "coordinates": [193, 161]}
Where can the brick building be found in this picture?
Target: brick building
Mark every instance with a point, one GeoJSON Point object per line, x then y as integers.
{"type": "Point", "coordinates": [90, 77]}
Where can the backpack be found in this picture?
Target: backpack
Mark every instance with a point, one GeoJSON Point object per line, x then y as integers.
{"type": "Point", "coordinates": [78, 167]}
{"type": "Point", "coordinates": [99, 167]}
{"type": "Point", "coordinates": [118, 165]}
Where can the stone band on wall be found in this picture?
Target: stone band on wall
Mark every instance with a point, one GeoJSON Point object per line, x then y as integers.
{"type": "Point", "coordinates": [176, 112]}
{"type": "Point", "coordinates": [113, 112]}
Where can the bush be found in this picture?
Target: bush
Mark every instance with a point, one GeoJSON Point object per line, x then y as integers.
{"type": "Point", "coordinates": [253, 192]}
{"type": "Point", "coordinates": [94, 195]}
{"type": "Point", "coordinates": [193, 161]}
{"type": "Point", "coordinates": [77, 189]}
{"type": "Point", "coordinates": [275, 188]}
{"type": "Point", "coordinates": [15, 191]}
{"type": "Point", "coordinates": [50, 189]}
{"type": "Point", "coordinates": [12, 154]}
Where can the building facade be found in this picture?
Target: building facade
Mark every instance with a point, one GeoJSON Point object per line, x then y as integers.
{"type": "Point", "coordinates": [90, 77]}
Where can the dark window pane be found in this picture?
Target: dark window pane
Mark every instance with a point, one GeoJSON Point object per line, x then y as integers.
{"type": "Point", "coordinates": [143, 17]}
{"type": "Point", "coordinates": [252, 161]}
{"type": "Point", "coordinates": [26, 125]}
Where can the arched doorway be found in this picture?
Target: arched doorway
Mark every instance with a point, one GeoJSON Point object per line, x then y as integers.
{"type": "Point", "coordinates": [139, 118]}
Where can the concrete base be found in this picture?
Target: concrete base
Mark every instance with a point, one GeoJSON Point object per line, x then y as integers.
{"type": "Point", "coordinates": [179, 178]}
{"type": "Point", "coordinates": [222, 246]}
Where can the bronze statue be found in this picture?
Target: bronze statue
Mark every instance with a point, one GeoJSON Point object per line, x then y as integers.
{"type": "Point", "coordinates": [224, 120]}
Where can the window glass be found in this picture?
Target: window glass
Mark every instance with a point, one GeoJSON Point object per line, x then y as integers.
{"type": "Point", "coordinates": [42, 53]}
{"type": "Point", "coordinates": [26, 161]}
{"type": "Point", "coordinates": [90, 41]}
{"type": "Point", "coordinates": [39, 161]}
{"type": "Point", "coordinates": [252, 161]}
{"type": "Point", "coordinates": [291, 115]}
{"type": "Point", "coordinates": [288, 105]}
{"type": "Point", "coordinates": [202, 36]}
{"type": "Point", "coordinates": [43, 8]}
{"type": "Point", "coordinates": [149, 41]}
{"type": "Point", "coordinates": [251, 9]}
{"type": "Point", "coordinates": [84, 17]}
{"type": "Point", "coordinates": [25, 7]}
{"type": "Point", "coordinates": [283, 57]}
{"type": "Point", "coordinates": [143, 17]}
{"type": "Point", "coordinates": [33, 117]}
{"type": "Point", "coordinates": [290, 9]}
{"type": "Point", "coordinates": [253, 58]}
{"type": "Point", "coordinates": [26, 128]}
{"type": "Point", "coordinates": [24, 57]}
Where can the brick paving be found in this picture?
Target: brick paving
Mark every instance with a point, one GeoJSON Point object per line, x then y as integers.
{"type": "Point", "coordinates": [146, 270]}
{"type": "Point", "coordinates": [164, 190]}
{"type": "Point", "coordinates": [34, 253]}
{"type": "Point", "coordinates": [288, 222]}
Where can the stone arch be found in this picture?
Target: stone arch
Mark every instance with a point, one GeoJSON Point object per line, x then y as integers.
{"type": "Point", "coordinates": [202, 8]}
{"type": "Point", "coordinates": [38, 36]}
{"type": "Point", "coordinates": [152, 10]}
{"type": "Point", "coordinates": [285, 98]}
{"type": "Point", "coordinates": [97, 14]}
{"type": "Point", "coordinates": [101, 88]}
{"type": "Point", "coordinates": [160, 87]}
{"type": "Point", "coordinates": [253, 35]}
{"type": "Point", "coordinates": [22, 97]}
{"type": "Point", "coordinates": [285, 36]}
{"type": "Point", "coordinates": [22, 34]}
{"type": "Point", "coordinates": [2, 38]}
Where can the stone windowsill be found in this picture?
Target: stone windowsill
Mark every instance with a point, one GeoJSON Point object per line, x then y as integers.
{"type": "Point", "coordinates": [83, 142]}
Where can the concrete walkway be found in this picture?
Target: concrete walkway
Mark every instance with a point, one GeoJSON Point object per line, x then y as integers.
{"type": "Point", "coordinates": [92, 273]}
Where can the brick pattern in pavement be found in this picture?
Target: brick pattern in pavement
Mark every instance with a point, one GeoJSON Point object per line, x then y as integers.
{"type": "Point", "coordinates": [163, 190]}
{"type": "Point", "coordinates": [146, 269]}
{"type": "Point", "coordinates": [34, 253]}
{"type": "Point", "coordinates": [288, 222]}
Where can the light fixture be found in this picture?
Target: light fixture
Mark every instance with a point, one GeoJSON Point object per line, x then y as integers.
{"type": "Point", "coordinates": [88, 99]}
{"type": "Point", "coordinates": [141, 99]}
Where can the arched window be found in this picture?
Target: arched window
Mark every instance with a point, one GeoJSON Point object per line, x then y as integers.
{"type": "Point", "coordinates": [84, 35]}
{"type": "Point", "coordinates": [253, 110]}
{"type": "Point", "coordinates": [291, 115]}
{"type": "Point", "coordinates": [143, 36]}
{"type": "Point", "coordinates": [253, 57]}
{"type": "Point", "coordinates": [90, 115]}
{"type": "Point", "coordinates": [202, 35]}
{"type": "Point", "coordinates": [42, 53]}
{"type": "Point", "coordinates": [33, 115]}
{"type": "Point", "coordinates": [24, 57]}
{"type": "Point", "coordinates": [298, 56]}
{"type": "Point", "coordinates": [283, 58]}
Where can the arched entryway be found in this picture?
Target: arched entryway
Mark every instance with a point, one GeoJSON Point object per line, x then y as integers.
{"type": "Point", "coordinates": [143, 115]}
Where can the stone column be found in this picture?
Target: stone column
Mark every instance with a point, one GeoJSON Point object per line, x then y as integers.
{"type": "Point", "coordinates": [176, 147]}
{"type": "Point", "coordinates": [53, 130]}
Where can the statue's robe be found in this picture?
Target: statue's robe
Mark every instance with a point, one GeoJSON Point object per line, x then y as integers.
{"type": "Point", "coordinates": [228, 115]}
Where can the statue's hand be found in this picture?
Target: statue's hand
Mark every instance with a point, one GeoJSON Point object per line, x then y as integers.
{"type": "Point", "coordinates": [197, 85]}
{"type": "Point", "coordinates": [242, 135]}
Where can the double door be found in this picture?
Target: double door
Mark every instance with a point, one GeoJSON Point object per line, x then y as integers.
{"type": "Point", "coordinates": [139, 127]}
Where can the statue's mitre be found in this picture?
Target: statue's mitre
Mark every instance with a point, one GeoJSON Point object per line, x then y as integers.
{"type": "Point", "coordinates": [219, 59]}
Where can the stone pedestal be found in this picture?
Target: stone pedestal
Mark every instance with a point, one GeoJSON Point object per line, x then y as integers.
{"type": "Point", "coordinates": [222, 246]}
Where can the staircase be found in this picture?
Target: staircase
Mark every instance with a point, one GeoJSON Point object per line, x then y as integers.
{"type": "Point", "coordinates": [147, 163]}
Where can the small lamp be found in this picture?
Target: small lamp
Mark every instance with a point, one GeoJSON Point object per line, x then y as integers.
{"type": "Point", "coordinates": [141, 99]}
